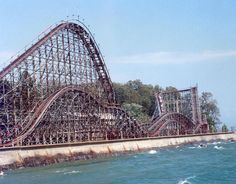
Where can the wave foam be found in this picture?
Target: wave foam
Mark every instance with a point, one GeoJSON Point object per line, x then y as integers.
{"type": "Point", "coordinates": [200, 146]}
{"type": "Point", "coordinates": [215, 143]}
{"type": "Point", "coordinates": [186, 180]}
{"type": "Point", "coordinates": [219, 147]}
{"type": "Point", "coordinates": [2, 173]}
{"type": "Point", "coordinates": [72, 172]}
{"type": "Point", "coordinates": [152, 152]}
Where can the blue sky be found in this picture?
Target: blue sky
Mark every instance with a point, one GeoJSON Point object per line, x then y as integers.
{"type": "Point", "coordinates": [166, 42]}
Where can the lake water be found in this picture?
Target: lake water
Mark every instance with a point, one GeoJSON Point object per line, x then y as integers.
{"type": "Point", "coordinates": [215, 163]}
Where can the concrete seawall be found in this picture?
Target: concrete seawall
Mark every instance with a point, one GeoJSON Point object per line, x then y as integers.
{"type": "Point", "coordinates": [11, 158]}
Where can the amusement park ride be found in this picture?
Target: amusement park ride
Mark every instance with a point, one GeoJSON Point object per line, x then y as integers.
{"type": "Point", "coordinates": [59, 91]}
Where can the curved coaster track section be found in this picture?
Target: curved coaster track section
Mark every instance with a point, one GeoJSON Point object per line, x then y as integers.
{"type": "Point", "coordinates": [171, 124]}
{"type": "Point", "coordinates": [72, 115]}
{"type": "Point", "coordinates": [177, 113]}
{"type": "Point", "coordinates": [59, 91]}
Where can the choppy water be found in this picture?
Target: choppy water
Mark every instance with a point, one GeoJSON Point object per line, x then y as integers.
{"type": "Point", "coordinates": [215, 163]}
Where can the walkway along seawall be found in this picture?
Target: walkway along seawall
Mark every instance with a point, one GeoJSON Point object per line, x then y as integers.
{"type": "Point", "coordinates": [31, 156]}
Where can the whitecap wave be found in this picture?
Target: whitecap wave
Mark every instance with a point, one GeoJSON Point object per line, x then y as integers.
{"type": "Point", "coordinates": [72, 172]}
{"type": "Point", "coordinates": [219, 147]}
{"type": "Point", "coordinates": [202, 146]}
{"type": "Point", "coordinates": [186, 180]}
{"type": "Point", "coordinates": [59, 171]}
{"type": "Point", "coordinates": [198, 146]}
{"type": "Point", "coordinates": [2, 173]}
{"type": "Point", "coordinates": [215, 143]}
{"type": "Point", "coordinates": [152, 152]}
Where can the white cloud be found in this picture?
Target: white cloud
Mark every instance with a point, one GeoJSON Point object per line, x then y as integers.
{"type": "Point", "coordinates": [175, 57]}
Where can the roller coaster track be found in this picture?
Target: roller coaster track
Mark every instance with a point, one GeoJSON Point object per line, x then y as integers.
{"type": "Point", "coordinates": [59, 91]}
{"type": "Point", "coordinates": [66, 57]}
{"type": "Point", "coordinates": [40, 112]}
{"type": "Point", "coordinates": [179, 121]}
{"type": "Point", "coordinates": [90, 44]}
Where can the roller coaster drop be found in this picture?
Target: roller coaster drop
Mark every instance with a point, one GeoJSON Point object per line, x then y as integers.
{"type": "Point", "coordinates": [59, 91]}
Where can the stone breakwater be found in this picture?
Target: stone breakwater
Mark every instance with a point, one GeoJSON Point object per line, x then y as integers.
{"type": "Point", "coordinates": [40, 155]}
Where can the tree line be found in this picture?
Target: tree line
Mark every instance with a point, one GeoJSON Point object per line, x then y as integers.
{"type": "Point", "coordinates": [139, 101]}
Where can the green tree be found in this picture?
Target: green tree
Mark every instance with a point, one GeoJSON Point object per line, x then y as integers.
{"type": "Point", "coordinates": [120, 92]}
{"type": "Point", "coordinates": [136, 111]}
{"type": "Point", "coordinates": [170, 89]}
{"type": "Point", "coordinates": [138, 93]}
{"type": "Point", "coordinates": [224, 128]}
{"type": "Point", "coordinates": [157, 89]}
{"type": "Point", "coordinates": [210, 109]}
